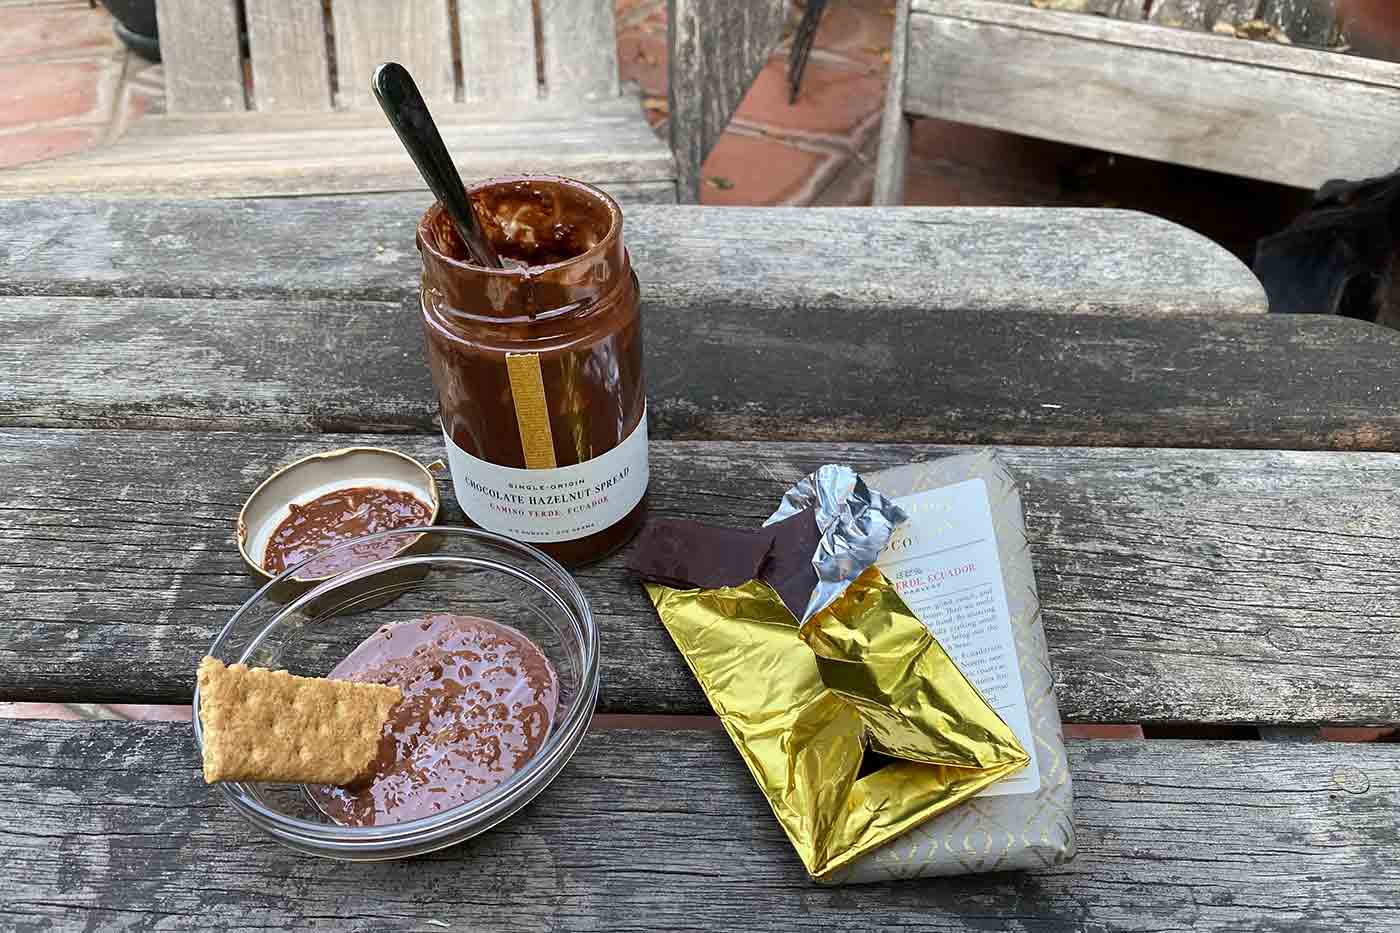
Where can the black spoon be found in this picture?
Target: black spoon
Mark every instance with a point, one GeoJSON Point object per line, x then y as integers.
{"type": "Point", "coordinates": [408, 115]}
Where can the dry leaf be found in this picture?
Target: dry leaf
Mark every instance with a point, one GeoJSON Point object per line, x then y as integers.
{"type": "Point", "coordinates": [717, 181]}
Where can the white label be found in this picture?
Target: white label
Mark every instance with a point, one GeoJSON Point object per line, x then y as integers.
{"type": "Point", "coordinates": [560, 504]}
{"type": "Point", "coordinates": [944, 564]}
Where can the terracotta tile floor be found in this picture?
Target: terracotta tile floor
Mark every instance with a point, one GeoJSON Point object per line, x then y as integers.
{"type": "Point", "coordinates": [67, 84]}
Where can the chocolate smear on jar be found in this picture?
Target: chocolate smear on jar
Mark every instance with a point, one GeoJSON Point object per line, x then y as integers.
{"type": "Point", "coordinates": [479, 699]}
{"type": "Point", "coordinates": [538, 366]}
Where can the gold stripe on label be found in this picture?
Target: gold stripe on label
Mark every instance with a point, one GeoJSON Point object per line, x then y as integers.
{"type": "Point", "coordinates": [531, 413]}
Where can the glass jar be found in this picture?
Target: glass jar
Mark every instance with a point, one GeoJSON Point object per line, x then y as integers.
{"type": "Point", "coordinates": [538, 366]}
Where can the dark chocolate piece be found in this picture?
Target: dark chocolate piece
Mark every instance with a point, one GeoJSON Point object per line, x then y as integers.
{"type": "Point", "coordinates": [690, 555]}
{"type": "Point", "coordinates": [789, 569]}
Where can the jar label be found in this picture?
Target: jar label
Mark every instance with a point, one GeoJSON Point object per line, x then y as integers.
{"type": "Point", "coordinates": [559, 504]}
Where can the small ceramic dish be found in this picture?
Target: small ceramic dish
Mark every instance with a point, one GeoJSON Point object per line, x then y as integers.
{"type": "Point", "coordinates": [313, 476]}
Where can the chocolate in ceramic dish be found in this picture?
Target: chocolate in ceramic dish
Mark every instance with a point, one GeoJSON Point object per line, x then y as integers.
{"type": "Point", "coordinates": [538, 366]}
{"type": "Point", "coordinates": [479, 699]}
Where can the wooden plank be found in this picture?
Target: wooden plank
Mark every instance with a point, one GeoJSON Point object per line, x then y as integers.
{"type": "Point", "coordinates": [328, 156]}
{"type": "Point", "coordinates": [1115, 9]}
{"type": "Point", "coordinates": [1177, 585]}
{"type": "Point", "coordinates": [415, 33]}
{"type": "Point", "coordinates": [995, 260]}
{"type": "Point", "coordinates": [497, 38]}
{"type": "Point", "coordinates": [717, 49]}
{"type": "Point", "coordinates": [579, 39]}
{"type": "Point", "coordinates": [200, 55]}
{"type": "Point", "coordinates": [1204, 100]}
{"type": "Point", "coordinates": [1218, 48]}
{"type": "Point", "coordinates": [717, 370]}
{"type": "Point", "coordinates": [478, 115]}
{"type": "Point", "coordinates": [893, 157]}
{"type": "Point", "coordinates": [1234, 836]}
{"type": "Point", "coordinates": [287, 45]}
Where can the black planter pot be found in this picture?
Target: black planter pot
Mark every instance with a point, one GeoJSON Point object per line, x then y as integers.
{"type": "Point", "coordinates": [136, 26]}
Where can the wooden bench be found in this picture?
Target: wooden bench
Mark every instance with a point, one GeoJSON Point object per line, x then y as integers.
{"type": "Point", "coordinates": [1196, 566]}
{"type": "Point", "coordinates": [1168, 89]}
{"type": "Point", "coordinates": [516, 85]}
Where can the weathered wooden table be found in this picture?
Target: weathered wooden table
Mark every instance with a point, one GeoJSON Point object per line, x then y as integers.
{"type": "Point", "coordinates": [1210, 493]}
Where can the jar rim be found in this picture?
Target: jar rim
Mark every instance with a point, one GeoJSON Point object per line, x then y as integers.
{"type": "Point", "coordinates": [604, 244]}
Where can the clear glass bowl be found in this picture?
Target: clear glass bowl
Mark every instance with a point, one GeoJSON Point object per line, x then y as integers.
{"type": "Point", "coordinates": [456, 570]}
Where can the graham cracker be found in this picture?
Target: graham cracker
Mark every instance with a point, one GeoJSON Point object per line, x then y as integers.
{"type": "Point", "coordinates": [262, 725]}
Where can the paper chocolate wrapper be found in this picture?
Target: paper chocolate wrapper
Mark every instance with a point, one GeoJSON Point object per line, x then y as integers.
{"type": "Point", "coordinates": [997, 830]}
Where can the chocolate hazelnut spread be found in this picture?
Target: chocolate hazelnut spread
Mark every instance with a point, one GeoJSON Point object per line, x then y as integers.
{"type": "Point", "coordinates": [340, 516]}
{"type": "Point", "coordinates": [538, 366]}
{"type": "Point", "coordinates": [478, 701]}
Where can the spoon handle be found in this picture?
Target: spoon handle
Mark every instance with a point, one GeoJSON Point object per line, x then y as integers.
{"type": "Point", "coordinates": [408, 115]}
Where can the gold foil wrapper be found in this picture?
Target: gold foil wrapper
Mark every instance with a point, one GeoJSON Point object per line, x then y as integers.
{"type": "Point", "coordinates": [802, 703]}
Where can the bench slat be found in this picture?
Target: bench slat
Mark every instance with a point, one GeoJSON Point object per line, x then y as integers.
{"type": "Point", "coordinates": [287, 46]}
{"type": "Point", "coordinates": [415, 33]}
{"type": "Point", "coordinates": [498, 51]}
{"type": "Point", "coordinates": [1114, 9]}
{"type": "Point", "coordinates": [580, 49]}
{"type": "Point", "coordinates": [1001, 261]}
{"type": "Point", "coordinates": [200, 55]}
{"type": "Point", "coordinates": [1259, 109]}
{"type": "Point", "coordinates": [717, 48]}
{"type": "Point", "coordinates": [1177, 585]}
{"type": "Point", "coordinates": [719, 370]}
{"type": "Point", "coordinates": [344, 152]}
{"type": "Point", "coordinates": [665, 830]}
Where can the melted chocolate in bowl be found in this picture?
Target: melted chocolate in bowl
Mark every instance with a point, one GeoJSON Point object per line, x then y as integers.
{"type": "Point", "coordinates": [339, 516]}
{"type": "Point", "coordinates": [479, 700]}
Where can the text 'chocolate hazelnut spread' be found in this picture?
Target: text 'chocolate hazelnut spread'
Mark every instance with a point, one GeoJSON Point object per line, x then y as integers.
{"type": "Point", "coordinates": [339, 516]}
{"type": "Point", "coordinates": [479, 699]}
{"type": "Point", "coordinates": [538, 366]}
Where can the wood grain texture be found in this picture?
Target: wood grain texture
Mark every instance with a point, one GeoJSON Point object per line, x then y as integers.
{"type": "Point", "coordinates": [260, 155]}
{"type": "Point", "coordinates": [1258, 109]}
{"type": "Point", "coordinates": [719, 371]}
{"type": "Point", "coordinates": [579, 39]}
{"type": "Point", "coordinates": [1178, 586]}
{"type": "Point", "coordinates": [1115, 9]}
{"type": "Point", "coordinates": [1243, 836]}
{"type": "Point", "coordinates": [717, 49]}
{"type": "Point", "coordinates": [200, 55]}
{"type": "Point", "coordinates": [415, 33]}
{"type": "Point", "coordinates": [1220, 48]}
{"type": "Point", "coordinates": [892, 159]}
{"type": "Point", "coordinates": [1005, 261]}
{"type": "Point", "coordinates": [287, 46]}
{"type": "Point", "coordinates": [498, 50]}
